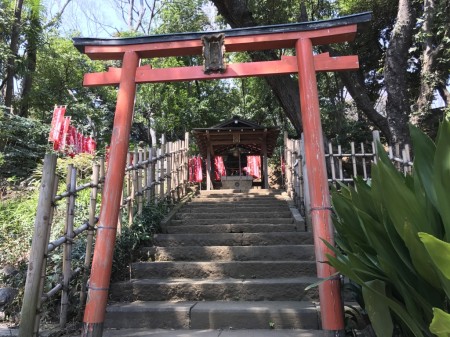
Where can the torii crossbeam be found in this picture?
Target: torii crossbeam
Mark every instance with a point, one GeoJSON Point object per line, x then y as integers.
{"type": "Point", "coordinates": [301, 36]}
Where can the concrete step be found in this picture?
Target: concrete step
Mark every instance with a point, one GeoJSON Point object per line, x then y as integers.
{"type": "Point", "coordinates": [220, 214]}
{"type": "Point", "coordinates": [217, 270]}
{"type": "Point", "coordinates": [234, 228]}
{"type": "Point", "coordinates": [213, 315]}
{"type": "Point", "coordinates": [233, 239]}
{"type": "Point", "coordinates": [279, 289]}
{"type": "Point", "coordinates": [252, 191]}
{"type": "Point", "coordinates": [208, 208]}
{"type": "Point", "coordinates": [231, 253]}
{"type": "Point", "coordinates": [240, 199]}
{"type": "Point", "coordinates": [211, 333]}
{"type": "Point", "coordinates": [231, 220]}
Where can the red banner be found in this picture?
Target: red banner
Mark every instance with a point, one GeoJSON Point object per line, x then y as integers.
{"type": "Point", "coordinates": [60, 144]}
{"type": "Point", "coordinates": [57, 123]}
{"type": "Point", "coordinates": [254, 166]}
{"type": "Point", "coordinates": [195, 170]}
{"type": "Point", "coordinates": [219, 168]}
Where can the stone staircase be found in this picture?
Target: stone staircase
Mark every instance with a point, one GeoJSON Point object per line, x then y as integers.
{"type": "Point", "coordinates": [227, 262]}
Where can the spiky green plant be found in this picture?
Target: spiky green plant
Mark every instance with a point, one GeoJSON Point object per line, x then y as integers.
{"type": "Point", "coordinates": [379, 246]}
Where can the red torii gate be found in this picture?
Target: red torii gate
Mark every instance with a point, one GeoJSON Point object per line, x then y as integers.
{"type": "Point", "coordinates": [302, 37]}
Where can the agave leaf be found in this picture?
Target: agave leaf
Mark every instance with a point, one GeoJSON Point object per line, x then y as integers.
{"type": "Point", "coordinates": [400, 201]}
{"type": "Point", "coordinates": [440, 325]}
{"type": "Point", "coordinates": [377, 307]}
{"type": "Point", "coordinates": [424, 151]}
{"type": "Point", "coordinates": [439, 252]}
{"type": "Point", "coordinates": [441, 181]}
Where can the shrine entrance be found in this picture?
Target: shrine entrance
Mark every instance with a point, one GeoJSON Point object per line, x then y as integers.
{"type": "Point", "coordinates": [300, 36]}
{"type": "Point", "coordinates": [239, 150]}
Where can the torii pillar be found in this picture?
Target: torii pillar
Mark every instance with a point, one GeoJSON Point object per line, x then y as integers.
{"type": "Point", "coordinates": [302, 37]}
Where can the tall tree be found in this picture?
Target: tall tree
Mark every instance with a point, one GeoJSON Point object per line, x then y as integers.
{"type": "Point", "coordinates": [389, 54]}
{"type": "Point", "coordinates": [11, 66]}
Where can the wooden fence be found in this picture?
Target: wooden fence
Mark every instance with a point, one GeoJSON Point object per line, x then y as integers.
{"type": "Point", "coordinates": [151, 175]}
{"type": "Point", "coordinates": [342, 165]}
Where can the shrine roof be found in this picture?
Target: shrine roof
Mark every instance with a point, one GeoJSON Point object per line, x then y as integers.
{"type": "Point", "coordinates": [81, 43]}
{"type": "Point", "coordinates": [236, 132]}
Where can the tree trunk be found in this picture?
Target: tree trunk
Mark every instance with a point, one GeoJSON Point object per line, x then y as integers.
{"type": "Point", "coordinates": [395, 74]}
{"type": "Point", "coordinates": [31, 52]}
{"type": "Point", "coordinates": [285, 89]}
{"type": "Point", "coordinates": [14, 48]}
{"type": "Point", "coordinates": [426, 81]}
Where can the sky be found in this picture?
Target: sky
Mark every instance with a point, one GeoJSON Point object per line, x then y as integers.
{"type": "Point", "coordinates": [101, 18]}
{"type": "Point", "coordinates": [89, 17]}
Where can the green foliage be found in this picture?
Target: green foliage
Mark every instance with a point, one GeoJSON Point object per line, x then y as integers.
{"type": "Point", "coordinates": [380, 228]}
{"type": "Point", "coordinates": [133, 237]}
{"type": "Point", "coordinates": [23, 143]}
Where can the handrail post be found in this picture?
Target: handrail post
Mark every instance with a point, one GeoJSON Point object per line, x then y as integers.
{"type": "Point", "coordinates": [38, 246]}
{"type": "Point", "coordinates": [90, 233]}
{"type": "Point", "coordinates": [44, 264]}
{"type": "Point", "coordinates": [67, 252]}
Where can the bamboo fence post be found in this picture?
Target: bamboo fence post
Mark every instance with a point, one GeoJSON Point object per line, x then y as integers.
{"type": "Point", "coordinates": [145, 177]}
{"type": "Point", "coordinates": [176, 171]}
{"type": "Point", "coordinates": [331, 157]}
{"type": "Point", "coordinates": [67, 252]}
{"type": "Point", "coordinates": [376, 140]}
{"type": "Point", "coordinates": [180, 169]}
{"type": "Point", "coordinates": [38, 246]}
{"type": "Point", "coordinates": [186, 162]}
{"type": "Point", "coordinates": [152, 173]}
{"type": "Point", "coordinates": [169, 171]}
{"type": "Point", "coordinates": [102, 173]}
{"type": "Point", "coordinates": [90, 233]}
{"type": "Point", "coordinates": [288, 166]}
{"type": "Point", "coordinates": [341, 172]}
{"type": "Point", "coordinates": [138, 154]}
{"type": "Point", "coordinates": [161, 159]}
{"type": "Point", "coordinates": [407, 158]}
{"type": "Point", "coordinates": [307, 198]}
{"type": "Point", "coordinates": [355, 172]}
{"type": "Point", "coordinates": [44, 264]}
{"type": "Point", "coordinates": [130, 191]}
{"type": "Point", "coordinates": [120, 215]}
{"type": "Point", "coordinates": [363, 153]}
{"type": "Point", "coordinates": [297, 173]}
{"type": "Point", "coordinates": [134, 175]}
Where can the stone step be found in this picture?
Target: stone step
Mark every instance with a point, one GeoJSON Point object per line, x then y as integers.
{"type": "Point", "coordinates": [234, 207]}
{"type": "Point", "coordinates": [212, 333]}
{"type": "Point", "coordinates": [279, 289]}
{"type": "Point", "coordinates": [231, 220]}
{"type": "Point", "coordinates": [234, 228]}
{"type": "Point", "coordinates": [252, 191]}
{"type": "Point", "coordinates": [233, 239]}
{"type": "Point", "coordinates": [239, 199]}
{"type": "Point", "coordinates": [231, 253]}
{"type": "Point", "coordinates": [213, 315]}
{"type": "Point", "coordinates": [217, 270]}
{"type": "Point", "coordinates": [274, 214]}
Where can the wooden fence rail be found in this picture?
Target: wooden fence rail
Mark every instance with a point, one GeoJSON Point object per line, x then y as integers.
{"type": "Point", "coordinates": [342, 165]}
{"type": "Point", "coordinates": [151, 175]}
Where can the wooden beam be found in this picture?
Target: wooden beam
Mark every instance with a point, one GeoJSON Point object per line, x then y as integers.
{"type": "Point", "coordinates": [232, 43]}
{"type": "Point", "coordinates": [287, 65]}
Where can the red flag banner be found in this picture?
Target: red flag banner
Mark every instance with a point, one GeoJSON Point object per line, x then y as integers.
{"type": "Point", "coordinates": [198, 170]}
{"type": "Point", "coordinates": [63, 135]}
{"type": "Point", "coordinates": [219, 168]}
{"type": "Point", "coordinates": [57, 123]}
{"type": "Point", "coordinates": [254, 166]}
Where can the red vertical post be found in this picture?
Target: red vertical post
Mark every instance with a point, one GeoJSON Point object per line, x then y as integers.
{"type": "Point", "coordinates": [106, 233]}
{"type": "Point", "coordinates": [329, 291]}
